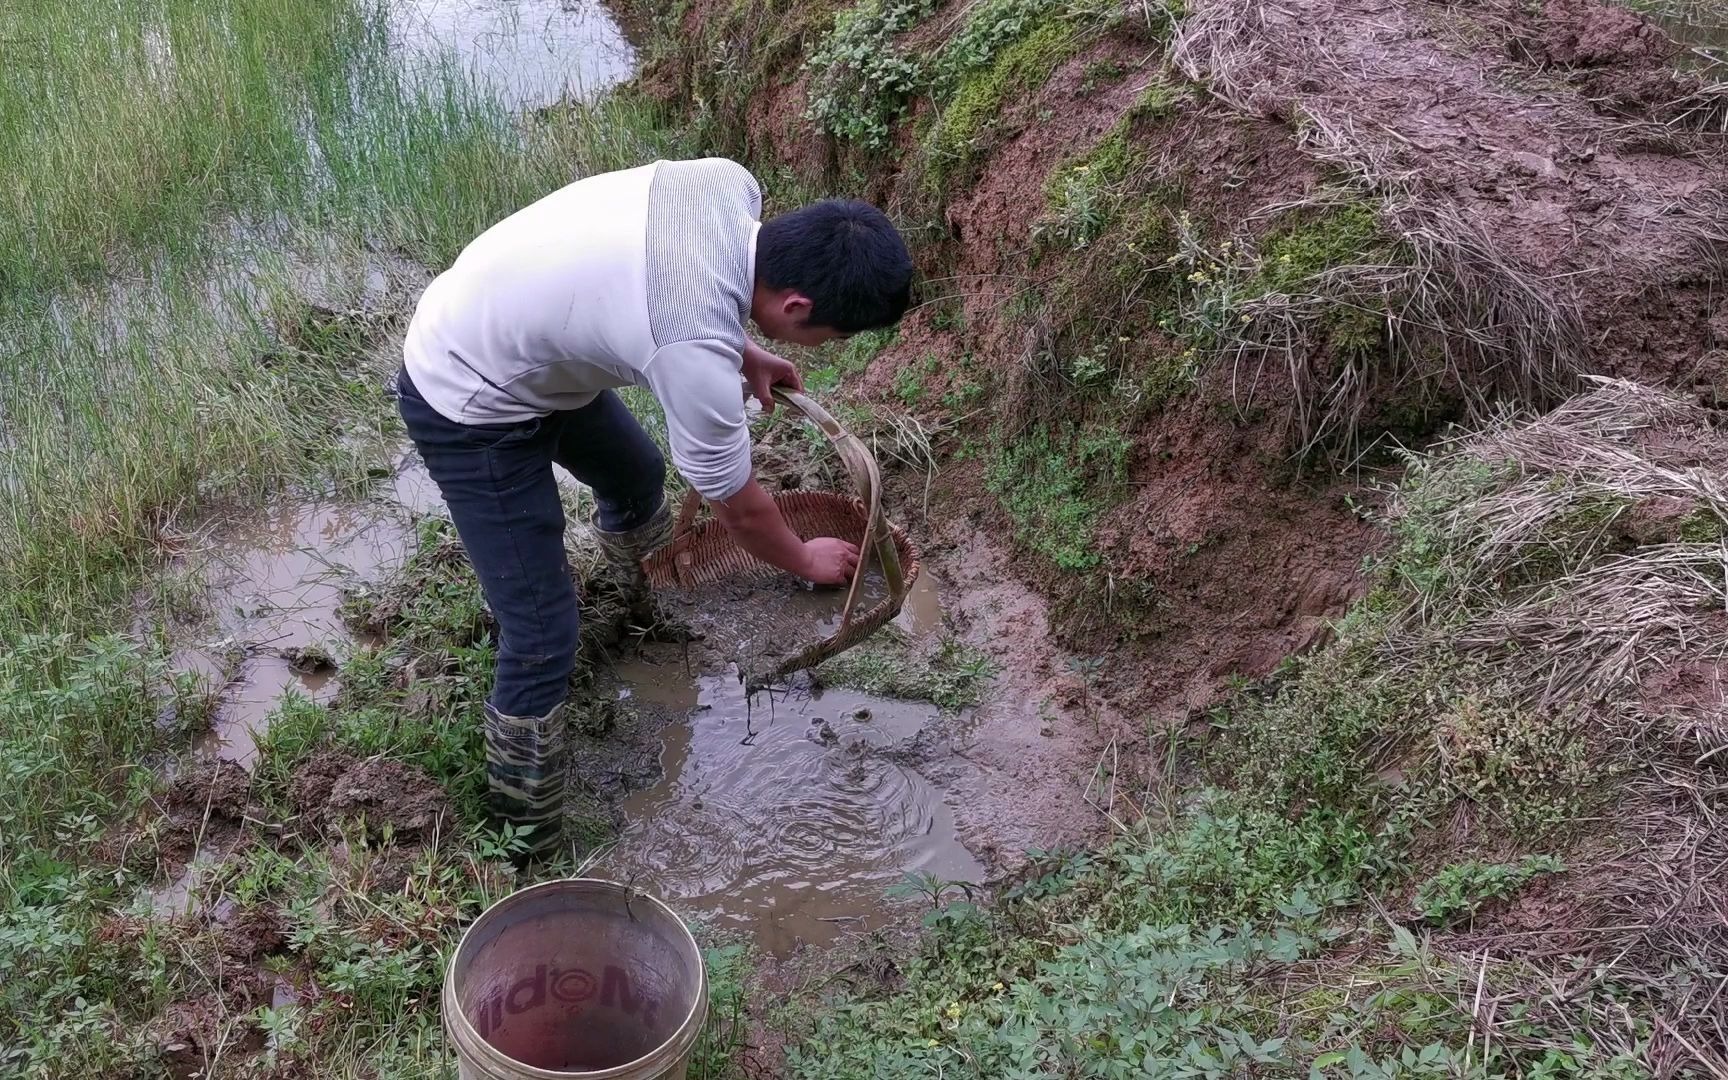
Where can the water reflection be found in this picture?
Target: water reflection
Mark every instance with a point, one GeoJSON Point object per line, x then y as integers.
{"type": "Point", "coordinates": [524, 52]}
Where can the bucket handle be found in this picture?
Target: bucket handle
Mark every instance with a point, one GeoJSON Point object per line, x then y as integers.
{"type": "Point", "coordinates": [866, 477]}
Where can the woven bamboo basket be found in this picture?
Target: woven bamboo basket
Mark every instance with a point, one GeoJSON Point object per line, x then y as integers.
{"type": "Point", "coordinates": [705, 554]}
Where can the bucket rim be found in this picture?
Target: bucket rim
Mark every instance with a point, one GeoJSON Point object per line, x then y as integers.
{"type": "Point", "coordinates": [683, 1037]}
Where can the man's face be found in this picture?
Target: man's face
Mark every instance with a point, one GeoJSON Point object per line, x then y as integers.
{"type": "Point", "coordinates": [784, 315]}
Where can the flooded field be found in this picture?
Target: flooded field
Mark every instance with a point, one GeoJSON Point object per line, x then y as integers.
{"type": "Point", "coordinates": [530, 52]}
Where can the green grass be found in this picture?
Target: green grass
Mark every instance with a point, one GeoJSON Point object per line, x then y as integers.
{"type": "Point", "coordinates": [951, 676]}
{"type": "Point", "coordinates": [968, 124]}
{"type": "Point", "coordinates": [179, 180]}
{"type": "Point", "coordinates": [1461, 889]}
{"type": "Point", "coordinates": [175, 172]}
{"type": "Point", "coordinates": [1201, 949]}
{"type": "Point", "coordinates": [1084, 194]}
{"type": "Point", "coordinates": [1054, 483]}
{"type": "Point", "coordinates": [127, 409]}
{"type": "Point", "coordinates": [1292, 912]}
{"type": "Point", "coordinates": [137, 126]}
{"type": "Point", "coordinates": [367, 917]}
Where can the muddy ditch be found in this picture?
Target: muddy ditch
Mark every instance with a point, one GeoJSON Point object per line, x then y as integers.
{"type": "Point", "coordinates": [784, 818]}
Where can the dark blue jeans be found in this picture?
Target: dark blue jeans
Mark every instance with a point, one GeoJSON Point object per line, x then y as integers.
{"type": "Point", "coordinates": [498, 482]}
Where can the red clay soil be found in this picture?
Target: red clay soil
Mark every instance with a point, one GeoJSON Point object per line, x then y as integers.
{"type": "Point", "coordinates": [1487, 113]}
{"type": "Point", "coordinates": [1243, 568]}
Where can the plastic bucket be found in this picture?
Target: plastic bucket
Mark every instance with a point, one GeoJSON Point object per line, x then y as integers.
{"type": "Point", "coordinates": [578, 978]}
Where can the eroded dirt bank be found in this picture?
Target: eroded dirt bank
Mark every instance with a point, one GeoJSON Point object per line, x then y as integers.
{"type": "Point", "coordinates": [1537, 221]}
{"type": "Point", "coordinates": [1197, 282]}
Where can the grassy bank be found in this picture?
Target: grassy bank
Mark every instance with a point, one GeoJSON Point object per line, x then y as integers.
{"type": "Point", "coordinates": [1437, 843]}
{"type": "Point", "coordinates": [189, 186]}
{"type": "Point", "coordinates": [1396, 857]}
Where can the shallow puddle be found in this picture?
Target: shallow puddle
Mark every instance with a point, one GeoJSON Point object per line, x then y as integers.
{"type": "Point", "coordinates": [251, 696]}
{"type": "Point", "coordinates": [785, 822]}
{"type": "Point", "coordinates": [275, 590]}
{"type": "Point", "coordinates": [175, 897]}
{"type": "Point", "coordinates": [784, 817]}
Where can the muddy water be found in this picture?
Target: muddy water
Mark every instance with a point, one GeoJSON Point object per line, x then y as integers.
{"type": "Point", "coordinates": [175, 897]}
{"type": "Point", "coordinates": [526, 52]}
{"type": "Point", "coordinates": [922, 614]}
{"type": "Point", "coordinates": [275, 588]}
{"type": "Point", "coordinates": [785, 817]}
{"type": "Point", "coordinates": [256, 690]}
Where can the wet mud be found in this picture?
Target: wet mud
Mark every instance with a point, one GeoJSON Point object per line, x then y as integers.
{"type": "Point", "coordinates": [333, 788]}
{"type": "Point", "coordinates": [785, 818]}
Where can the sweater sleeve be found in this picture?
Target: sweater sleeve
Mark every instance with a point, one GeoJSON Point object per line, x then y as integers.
{"type": "Point", "coordinates": [699, 387]}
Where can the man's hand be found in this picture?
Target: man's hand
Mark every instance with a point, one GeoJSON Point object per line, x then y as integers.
{"type": "Point", "coordinates": [829, 561]}
{"type": "Point", "coordinates": [764, 371]}
{"type": "Point", "coordinates": [755, 523]}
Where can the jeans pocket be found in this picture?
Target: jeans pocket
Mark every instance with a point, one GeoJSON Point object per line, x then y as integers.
{"type": "Point", "coordinates": [500, 436]}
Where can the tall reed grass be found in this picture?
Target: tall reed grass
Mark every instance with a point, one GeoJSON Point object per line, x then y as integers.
{"type": "Point", "coordinates": [164, 164]}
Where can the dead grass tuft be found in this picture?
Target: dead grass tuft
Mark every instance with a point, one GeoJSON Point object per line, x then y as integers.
{"type": "Point", "coordinates": [1598, 635]}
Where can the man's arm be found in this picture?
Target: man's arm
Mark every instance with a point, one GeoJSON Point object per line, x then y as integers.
{"type": "Point", "coordinates": [756, 524]}
{"type": "Point", "coordinates": [697, 384]}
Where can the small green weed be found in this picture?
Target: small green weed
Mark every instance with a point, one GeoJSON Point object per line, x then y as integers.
{"type": "Point", "coordinates": [862, 83]}
{"type": "Point", "coordinates": [952, 676]}
{"type": "Point", "coordinates": [1099, 72]}
{"type": "Point", "coordinates": [1084, 195]}
{"type": "Point", "coordinates": [836, 365]}
{"type": "Point", "coordinates": [725, 1037]}
{"type": "Point", "coordinates": [1090, 370]}
{"type": "Point", "coordinates": [909, 384]}
{"type": "Point", "coordinates": [1461, 889]}
{"type": "Point", "coordinates": [1533, 770]}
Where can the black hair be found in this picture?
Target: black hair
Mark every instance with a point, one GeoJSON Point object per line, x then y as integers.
{"type": "Point", "coordinates": [846, 256]}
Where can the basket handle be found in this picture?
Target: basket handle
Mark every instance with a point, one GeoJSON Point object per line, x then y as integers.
{"type": "Point", "coordinates": [866, 477]}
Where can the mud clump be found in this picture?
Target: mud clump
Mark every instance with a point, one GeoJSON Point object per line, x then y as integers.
{"type": "Point", "coordinates": [333, 787]}
{"type": "Point", "coordinates": [191, 1032]}
{"type": "Point", "coordinates": [387, 870]}
{"type": "Point", "coordinates": [253, 932]}
{"type": "Point", "coordinates": [1582, 33]}
{"type": "Point", "coordinates": [309, 660]}
{"type": "Point", "coordinates": [784, 468]}
{"type": "Point", "coordinates": [220, 788]}
{"type": "Point", "coordinates": [310, 788]}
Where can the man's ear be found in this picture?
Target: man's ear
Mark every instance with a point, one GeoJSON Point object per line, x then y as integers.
{"type": "Point", "coordinates": [796, 307]}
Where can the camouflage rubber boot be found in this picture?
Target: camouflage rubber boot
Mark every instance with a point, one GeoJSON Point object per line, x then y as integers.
{"type": "Point", "coordinates": [525, 772]}
{"type": "Point", "coordinates": [624, 551]}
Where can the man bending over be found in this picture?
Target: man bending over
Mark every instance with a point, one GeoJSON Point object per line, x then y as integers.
{"type": "Point", "coordinates": [643, 277]}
